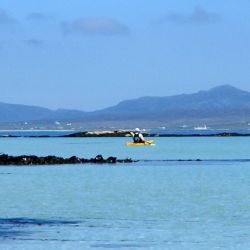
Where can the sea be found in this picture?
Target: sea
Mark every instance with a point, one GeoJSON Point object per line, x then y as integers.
{"type": "Point", "coordinates": [185, 193]}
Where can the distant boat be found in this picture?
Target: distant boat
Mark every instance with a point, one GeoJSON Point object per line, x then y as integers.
{"type": "Point", "coordinates": [201, 127]}
{"type": "Point", "coordinates": [184, 126]}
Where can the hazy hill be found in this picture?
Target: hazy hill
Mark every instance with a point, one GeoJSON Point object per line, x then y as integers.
{"type": "Point", "coordinates": [16, 112]}
{"type": "Point", "coordinates": [220, 105]}
{"type": "Point", "coordinates": [223, 97]}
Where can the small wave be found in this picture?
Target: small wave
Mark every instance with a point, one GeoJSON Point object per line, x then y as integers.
{"type": "Point", "coordinates": [195, 160]}
{"type": "Point", "coordinates": [118, 245]}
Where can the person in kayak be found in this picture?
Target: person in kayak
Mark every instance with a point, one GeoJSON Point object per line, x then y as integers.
{"type": "Point", "coordinates": [138, 137]}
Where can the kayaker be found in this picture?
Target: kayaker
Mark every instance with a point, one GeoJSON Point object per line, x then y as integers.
{"type": "Point", "coordinates": [138, 137]}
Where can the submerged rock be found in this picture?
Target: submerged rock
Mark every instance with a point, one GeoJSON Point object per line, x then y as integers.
{"type": "Point", "coordinates": [6, 159]}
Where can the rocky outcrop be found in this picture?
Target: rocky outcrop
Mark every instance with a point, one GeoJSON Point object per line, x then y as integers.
{"type": "Point", "coordinates": [104, 133]}
{"type": "Point", "coordinates": [125, 133]}
{"type": "Point", "coordinates": [55, 160]}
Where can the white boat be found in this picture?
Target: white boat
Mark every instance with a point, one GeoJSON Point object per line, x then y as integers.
{"type": "Point", "coordinates": [201, 127]}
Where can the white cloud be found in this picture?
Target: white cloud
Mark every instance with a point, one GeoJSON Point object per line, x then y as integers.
{"type": "Point", "coordinates": [37, 16]}
{"type": "Point", "coordinates": [95, 26]}
{"type": "Point", "coordinates": [198, 16]}
{"type": "Point", "coordinates": [5, 18]}
{"type": "Point", "coordinates": [35, 42]}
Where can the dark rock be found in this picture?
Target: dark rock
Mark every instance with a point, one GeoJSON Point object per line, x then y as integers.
{"type": "Point", "coordinates": [73, 160]}
{"type": "Point", "coordinates": [111, 159]}
{"type": "Point", "coordinates": [230, 134]}
{"type": "Point", "coordinates": [78, 134]}
{"type": "Point", "coordinates": [97, 159]}
{"type": "Point", "coordinates": [54, 160]}
{"type": "Point", "coordinates": [128, 160]}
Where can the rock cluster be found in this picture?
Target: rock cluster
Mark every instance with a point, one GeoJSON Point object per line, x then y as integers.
{"type": "Point", "coordinates": [104, 133]}
{"type": "Point", "coordinates": [55, 160]}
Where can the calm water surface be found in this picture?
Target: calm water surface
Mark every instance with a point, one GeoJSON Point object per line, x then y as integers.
{"type": "Point", "coordinates": [153, 204]}
{"type": "Point", "coordinates": [206, 148]}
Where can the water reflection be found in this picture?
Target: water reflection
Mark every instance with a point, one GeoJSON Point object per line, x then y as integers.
{"type": "Point", "coordinates": [16, 227]}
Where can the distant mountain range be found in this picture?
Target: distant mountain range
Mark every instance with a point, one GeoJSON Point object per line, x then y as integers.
{"type": "Point", "coordinates": [222, 105]}
{"type": "Point", "coordinates": [17, 113]}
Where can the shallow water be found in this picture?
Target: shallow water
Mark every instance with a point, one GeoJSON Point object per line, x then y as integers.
{"type": "Point", "coordinates": [216, 148]}
{"type": "Point", "coordinates": [144, 205]}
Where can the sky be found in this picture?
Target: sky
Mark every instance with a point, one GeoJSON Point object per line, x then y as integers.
{"type": "Point", "coordinates": [92, 54]}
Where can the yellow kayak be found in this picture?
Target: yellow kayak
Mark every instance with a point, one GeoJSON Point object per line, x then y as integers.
{"type": "Point", "coordinates": [147, 143]}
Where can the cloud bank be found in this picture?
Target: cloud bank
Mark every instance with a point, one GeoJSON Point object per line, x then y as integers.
{"type": "Point", "coordinates": [37, 16]}
{"type": "Point", "coordinates": [5, 18]}
{"type": "Point", "coordinates": [198, 16]}
{"type": "Point", "coordinates": [35, 42]}
{"type": "Point", "coordinates": [95, 26]}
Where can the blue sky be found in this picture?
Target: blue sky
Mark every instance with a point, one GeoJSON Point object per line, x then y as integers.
{"type": "Point", "coordinates": [91, 54]}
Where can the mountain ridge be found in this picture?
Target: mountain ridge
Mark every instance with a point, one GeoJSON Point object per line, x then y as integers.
{"type": "Point", "coordinates": [220, 104]}
{"type": "Point", "coordinates": [211, 97]}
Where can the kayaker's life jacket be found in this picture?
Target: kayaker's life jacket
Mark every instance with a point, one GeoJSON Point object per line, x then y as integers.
{"type": "Point", "coordinates": [137, 138]}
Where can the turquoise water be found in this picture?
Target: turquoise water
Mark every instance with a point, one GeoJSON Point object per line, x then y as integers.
{"type": "Point", "coordinates": [166, 148]}
{"type": "Point", "coordinates": [153, 204]}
